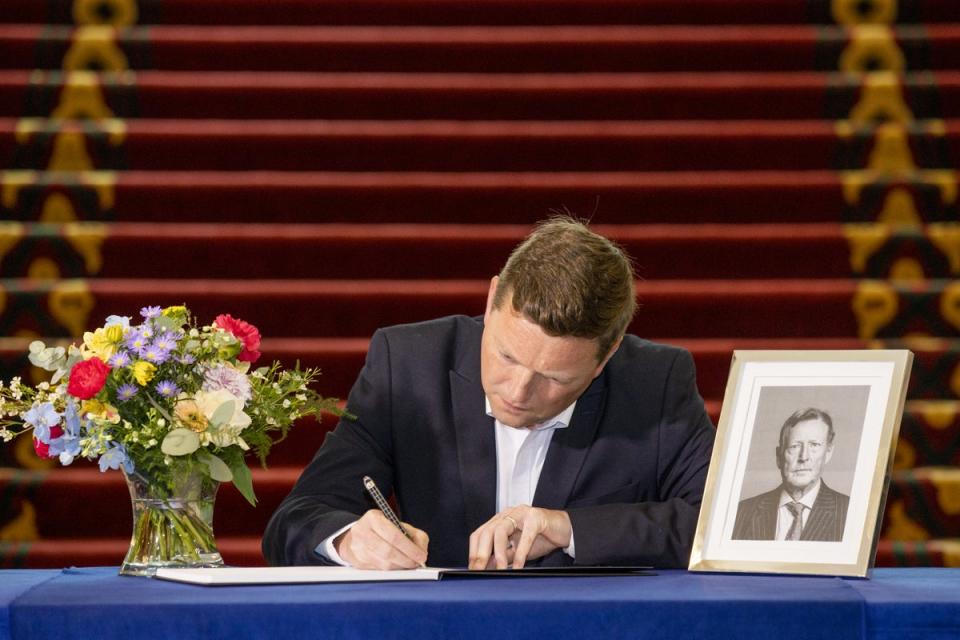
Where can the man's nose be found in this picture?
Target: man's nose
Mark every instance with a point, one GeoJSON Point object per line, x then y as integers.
{"type": "Point", "coordinates": [802, 454]}
{"type": "Point", "coordinates": [520, 387]}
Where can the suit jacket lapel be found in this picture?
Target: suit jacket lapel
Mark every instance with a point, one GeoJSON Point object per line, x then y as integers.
{"type": "Point", "coordinates": [569, 447]}
{"type": "Point", "coordinates": [822, 516]}
{"type": "Point", "coordinates": [476, 441]}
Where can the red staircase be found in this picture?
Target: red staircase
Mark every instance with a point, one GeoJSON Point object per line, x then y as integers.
{"type": "Point", "coordinates": [779, 169]}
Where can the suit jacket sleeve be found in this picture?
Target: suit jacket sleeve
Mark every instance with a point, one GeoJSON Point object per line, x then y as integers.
{"type": "Point", "coordinates": [329, 493]}
{"type": "Point", "coordinates": [657, 532]}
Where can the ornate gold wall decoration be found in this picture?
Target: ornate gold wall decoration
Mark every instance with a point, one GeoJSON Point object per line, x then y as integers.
{"type": "Point", "coordinates": [881, 99]}
{"type": "Point", "coordinates": [120, 13]}
{"type": "Point", "coordinates": [872, 48]}
{"type": "Point", "coordinates": [95, 49]}
{"type": "Point", "coordinates": [88, 238]}
{"type": "Point", "coordinates": [875, 304]}
{"type": "Point", "coordinates": [70, 304]}
{"type": "Point", "coordinates": [854, 12]}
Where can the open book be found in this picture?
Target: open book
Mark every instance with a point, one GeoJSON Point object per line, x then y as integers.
{"type": "Point", "coordinates": [293, 575]}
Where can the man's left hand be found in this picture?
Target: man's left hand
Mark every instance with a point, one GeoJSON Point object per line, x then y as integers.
{"type": "Point", "coordinates": [518, 534]}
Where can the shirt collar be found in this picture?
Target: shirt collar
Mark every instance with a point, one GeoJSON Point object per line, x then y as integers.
{"type": "Point", "coordinates": [806, 499]}
{"type": "Point", "coordinates": [559, 421]}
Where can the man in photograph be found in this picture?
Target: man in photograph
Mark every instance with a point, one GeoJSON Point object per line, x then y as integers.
{"type": "Point", "coordinates": [803, 507]}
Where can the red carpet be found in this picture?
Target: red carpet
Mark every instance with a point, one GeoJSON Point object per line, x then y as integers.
{"type": "Point", "coordinates": [783, 171]}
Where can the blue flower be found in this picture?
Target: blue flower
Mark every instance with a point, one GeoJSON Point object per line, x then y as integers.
{"type": "Point", "coordinates": [119, 360]}
{"type": "Point", "coordinates": [150, 312]}
{"type": "Point", "coordinates": [126, 392]}
{"type": "Point", "coordinates": [123, 321]}
{"type": "Point", "coordinates": [67, 446]}
{"type": "Point", "coordinates": [41, 417]}
{"type": "Point", "coordinates": [167, 389]}
{"type": "Point", "coordinates": [114, 458]}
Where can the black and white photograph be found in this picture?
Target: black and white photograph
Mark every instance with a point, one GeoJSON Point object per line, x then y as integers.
{"type": "Point", "coordinates": [798, 474]}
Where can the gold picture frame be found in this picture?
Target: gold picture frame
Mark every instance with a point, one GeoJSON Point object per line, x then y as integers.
{"type": "Point", "coordinates": [849, 404]}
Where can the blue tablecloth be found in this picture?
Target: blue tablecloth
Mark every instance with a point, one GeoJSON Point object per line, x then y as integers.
{"type": "Point", "coordinates": [96, 603]}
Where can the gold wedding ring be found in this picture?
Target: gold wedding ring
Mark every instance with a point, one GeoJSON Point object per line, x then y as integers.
{"type": "Point", "coordinates": [516, 527]}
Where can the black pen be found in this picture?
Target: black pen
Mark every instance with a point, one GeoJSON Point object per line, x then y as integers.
{"type": "Point", "coordinates": [378, 498]}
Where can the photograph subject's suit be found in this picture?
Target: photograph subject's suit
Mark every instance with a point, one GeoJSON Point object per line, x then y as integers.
{"type": "Point", "coordinates": [629, 469]}
{"type": "Point", "coordinates": [757, 517]}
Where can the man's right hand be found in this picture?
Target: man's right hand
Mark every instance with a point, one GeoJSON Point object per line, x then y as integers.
{"type": "Point", "coordinates": [375, 543]}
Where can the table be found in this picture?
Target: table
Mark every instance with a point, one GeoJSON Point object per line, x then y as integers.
{"type": "Point", "coordinates": [97, 603]}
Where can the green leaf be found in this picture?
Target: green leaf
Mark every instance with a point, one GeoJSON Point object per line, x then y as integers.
{"type": "Point", "coordinates": [180, 442]}
{"type": "Point", "coordinates": [219, 470]}
{"type": "Point", "coordinates": [223, 413]}
{"type": "Point", "coordinates": [242, 479]}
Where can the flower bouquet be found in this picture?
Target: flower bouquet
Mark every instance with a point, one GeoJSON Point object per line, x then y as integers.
{"type": "Point", "coordinates": [173, 405]}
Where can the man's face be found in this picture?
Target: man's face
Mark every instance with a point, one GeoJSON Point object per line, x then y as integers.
{"type": "Point", "coordinates": [805, 451]}
{"type": "Point", "coordinates": [527, 375]}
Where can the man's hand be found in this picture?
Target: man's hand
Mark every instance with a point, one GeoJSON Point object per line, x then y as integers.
{"type": "Point", "coordinates": [518, 534]}
{"type": "Point", "coordinates": [375, 543]}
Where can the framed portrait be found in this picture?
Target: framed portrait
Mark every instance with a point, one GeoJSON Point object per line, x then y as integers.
{"type": "Point", "coordinates": [801, 462]}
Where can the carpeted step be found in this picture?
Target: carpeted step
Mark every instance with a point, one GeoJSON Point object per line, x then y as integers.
{"type": "Point", "coordinates": [523, 49]}
{"type": "Point", "coordinates": [921, 505]}
{"type": "Point", "coordinates": [355, 308]}
{"type": "Point", "coordinates": [493, 197]}
{"type": "Point", "coordinates": [411, 251]}
{"type": "Point", "coordinates": [239, 551]}
{"type": "Point", "coordinates": [467, 96]}
{"type": "Point", "coordinates": [926, 553]}
{"type": "Point", "coordinates": [933, 429]}
{"type": "Point", "coordinates": [321, 145]}
{"type": "Point", "coordinates": [439, 12]}
{"type": "Point", "coordinates": [244, 551]}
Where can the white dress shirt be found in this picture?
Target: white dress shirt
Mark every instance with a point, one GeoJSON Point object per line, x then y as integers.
{"type": "Point", "coordinates": [520, 457]}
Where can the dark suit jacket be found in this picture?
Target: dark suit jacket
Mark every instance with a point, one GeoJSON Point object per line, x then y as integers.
{"type": "Point", "coordinates": [757, 516]}
{"type": "Point", "coordinates": [629, 470]}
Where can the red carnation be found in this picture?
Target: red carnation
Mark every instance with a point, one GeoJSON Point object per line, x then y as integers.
{"type": "Point", "coordinates": [243, 331]}
{"type": "Point", "coordinates": [42, 448]}
{"type": "Point", "coordinates": [87, 378]}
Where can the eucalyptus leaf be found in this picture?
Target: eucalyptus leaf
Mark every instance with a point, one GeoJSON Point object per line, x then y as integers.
{"type": "Point", "coordinates": [219, 470]}
{"type": "Point", "coordinates": [242, 479]}
{"type": "Point", "coordinates": [180, 442]}
{"type": "Point", "coordinates": [224, 413]}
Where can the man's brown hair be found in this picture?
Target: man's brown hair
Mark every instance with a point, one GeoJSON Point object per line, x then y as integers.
{"type": "Point", "coordinates": [571, 282]}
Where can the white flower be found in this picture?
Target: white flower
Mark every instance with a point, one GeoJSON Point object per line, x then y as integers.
{"type": "Point", "coordinates": [224, 411]}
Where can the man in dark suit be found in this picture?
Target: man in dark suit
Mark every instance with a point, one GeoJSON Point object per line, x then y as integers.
{"type": "Point", "coordinates": [539, 432]}
{"type": "Point", "coordinates": [803, 507]}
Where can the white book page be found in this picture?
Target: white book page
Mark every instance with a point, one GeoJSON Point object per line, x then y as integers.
{"type": "Point", "coordinates": [291, 575]}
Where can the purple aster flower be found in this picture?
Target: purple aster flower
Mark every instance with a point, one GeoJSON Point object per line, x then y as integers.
{"type": "Point", "coordinates": [126, 392]}
{"type": "Point", "coordinates": [153, 353]}
{"type": "Point", "coordinates": [167, 388]}
{"type": "Point", "coordinates": [150, 312]}
{"type": "Point", "coordinates": [138, 339]}
{"type": "Point", "coordinates": [167, 341]}
{"type": "Point", "coordinates": [186, 358]}
{"type": "Point", "coordinates": [119, 360]}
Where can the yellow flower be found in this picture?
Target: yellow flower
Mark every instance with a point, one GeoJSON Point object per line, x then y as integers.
{"type": "Point", "coordinates": [103, 342]}
{"type": "Point", "coordinates": [100, 411]}
{"type": "Point", "coordinates": [143, 371]}
{"type": "Point", "coordinates": [177, 313]}
{"type": "Point", "coordinates": [190, 415]}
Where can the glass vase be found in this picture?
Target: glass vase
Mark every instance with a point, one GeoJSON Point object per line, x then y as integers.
{"type": "Point", "coordinates": [172, 523]}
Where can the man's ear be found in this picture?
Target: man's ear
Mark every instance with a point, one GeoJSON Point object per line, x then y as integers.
{"type": "Point", "coordinates": [779, 458]}
{"type": "Point", "coordinates": [491, 292]}
{"type": "Point", "coordinates": [828, 454]}
{"type": "Point", "coordinates": [603, 363]}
